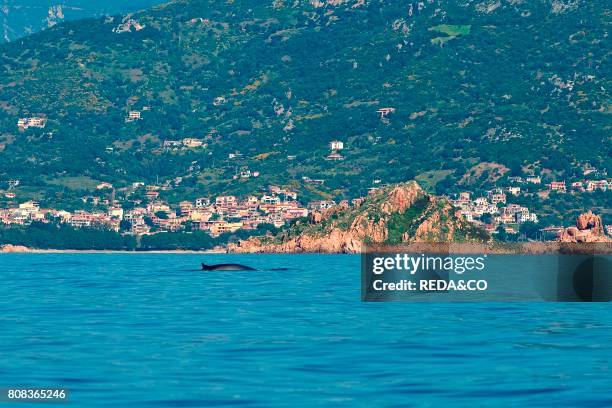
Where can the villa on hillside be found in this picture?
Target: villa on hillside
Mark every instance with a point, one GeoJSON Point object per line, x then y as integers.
{"type": "Point", "coordinates": [336, 145]}
{"type": "Point", "coordinates": [132, 116]}
{"type": "Point", "coordinates": [321, 205]}
{"type": "Point", "coordinates": [104, 185]}
{"type": "Point", "coordinates": [202, 202]}
{"type": "Point", "coordinates": [593, 185]}
{"type": "Point", "coordinates": [558, 186]}
{"type": "Point", "coordinates": [34, 121]}
{"type": "Point", "coordinates": [534, 180]}
{"type": "Point", "coordinates": [172, 144]}
{"type": "Point", "coordinates": [577, 186]}
{"type": "Point", "coordinates": [384, 112]}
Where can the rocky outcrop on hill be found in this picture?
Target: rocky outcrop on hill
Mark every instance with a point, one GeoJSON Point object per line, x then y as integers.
{"type": "Point", "coordinates": [589, 228]}
{"type": "Point", "coordinates": [402, 213]}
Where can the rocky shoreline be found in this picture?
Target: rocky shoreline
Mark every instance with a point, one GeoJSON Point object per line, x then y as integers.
{"type": "Point", "coordinates": [11, 249]}
{"type": "Point", "coordinates": [432, 229]}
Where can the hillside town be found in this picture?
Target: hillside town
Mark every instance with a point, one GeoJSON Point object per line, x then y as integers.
{"type": "Point", "coordinates": [224, 214]}
{"type": "Point", "coordinates": [495, 205]}
{"type": "Point", "coordinates": [141, 209]}
{"type": "Point", "coordinates": [492, 211]}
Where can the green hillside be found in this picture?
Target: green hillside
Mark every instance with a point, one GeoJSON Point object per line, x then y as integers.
{"type": "Point", "coordinates": [19, 18]}
{"type": "Point", "coordinates": [506, 82]}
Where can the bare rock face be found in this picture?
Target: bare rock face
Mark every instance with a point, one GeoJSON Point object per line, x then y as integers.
{"type": "Point", "coordinates": [401, 198]}
{"type": "Point", "coordinates": [358, 201]}
{"type": "Point", "coordinates": [590, 221]}
{"type": "Point", "coordinates": [315, 217]}
{"type": "Point", "coordinates": [589, 228]}
{"type": "Point", "coordinates": [347, 229]}
{"type": "Point", "coordinates": [436, 226]}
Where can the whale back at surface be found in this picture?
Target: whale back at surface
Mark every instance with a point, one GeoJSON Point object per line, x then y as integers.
{"type": "Point", "coordinates": [226, 267]}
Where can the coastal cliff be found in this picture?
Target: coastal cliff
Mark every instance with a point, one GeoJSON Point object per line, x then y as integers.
{"type": "Point", "coordinates": [402, 213]}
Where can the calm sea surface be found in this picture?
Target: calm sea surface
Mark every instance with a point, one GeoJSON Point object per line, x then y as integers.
{"type": "Point", "coordinates": [149, 330]}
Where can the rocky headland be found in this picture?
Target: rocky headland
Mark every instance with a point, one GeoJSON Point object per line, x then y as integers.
{"type": "Point", "coordinates": [398, 214]}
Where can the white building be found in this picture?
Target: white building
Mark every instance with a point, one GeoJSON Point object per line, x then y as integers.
{"type": "Point", "coordinates": [336, 145]}
{"type": "Point", "coordinates": [132, 116]}
{"type": "Point", "coordinates": [498, 198]}
{"type": "Point", "coordinates": [225, 201]}
{"type": "Point", "coordinates": [383, 112]}
{"type": "Point", "coordinates": [534, 180]}
{"type": "Point", "coordinates": [522, 217]}
{"type": "Point", "coordinates": [29, 206]}
{"type": "Point", "coordinates": [267, 199]}
{"type": "Point", "coordinates": [202, 202]}
{"type": "Point", "coordinates": [116, 212]}
{"type": "Point", "coordinates": [514, 190]}
{"type": "Point", "coordinates": [170, 144]}
{"type": "Point", "coordinates": [593, 185]}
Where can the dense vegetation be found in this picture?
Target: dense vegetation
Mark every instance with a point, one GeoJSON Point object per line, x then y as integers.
{"type": "Point", "coordinates": [50, 236]}
{"type": "Point", "coordinates": [61, 236]}
{"type": "Point", "coordinates": [509, 82]}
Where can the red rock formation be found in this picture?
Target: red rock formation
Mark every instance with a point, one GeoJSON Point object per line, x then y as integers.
{"type": "Point", "coordinates": [14, 249]}
{"type": "Point", "coordinates": [590, 221]}
{"type": "Point", "coordinates": [430, 227]}
{"type": "Point", "coordinates": [315, 217]}
{"type": "Point", "coordinates": [346, 229]}
{"type": "Point", "coordinates": [400, 198]}
{"type": "Point", "coordinates": [589, 228]}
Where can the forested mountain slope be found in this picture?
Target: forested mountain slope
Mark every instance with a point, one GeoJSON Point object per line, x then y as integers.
{"type": "Point", "coordinates": [508, 83]}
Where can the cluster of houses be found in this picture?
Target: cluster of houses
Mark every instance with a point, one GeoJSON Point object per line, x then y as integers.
{"type": "Point", "coordinates": [186, 143]}
{"type": "Point", "coordinates": [579, 186]}
{"type": "Point", "coordinates": [30, 211]}
{"type": "Point", "coordinates": [32, 122]}
{"type": "Point", "coordinates": [495, 205]}
{"type": "Point", "coordinates": [509, 215]}
{"type": "Point", "coordinates": [223, 214]}
{"type": "Point", "coordinates": [127, 25]}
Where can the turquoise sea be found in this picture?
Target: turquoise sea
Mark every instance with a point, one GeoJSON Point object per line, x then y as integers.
{"type": "Point", "coordinates": [150, 330]}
